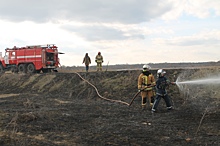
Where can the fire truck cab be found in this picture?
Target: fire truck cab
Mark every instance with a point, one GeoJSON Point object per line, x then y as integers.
{"type": "Point", "coordinates": [30, 59]}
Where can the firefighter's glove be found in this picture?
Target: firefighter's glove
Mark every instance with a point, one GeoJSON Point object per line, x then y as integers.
{"type": "Point", "coordinates": [147, 88]}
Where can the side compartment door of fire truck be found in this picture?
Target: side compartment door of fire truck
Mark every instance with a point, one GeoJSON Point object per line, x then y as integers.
{"type": "Point", "coordinates": [38, 61]}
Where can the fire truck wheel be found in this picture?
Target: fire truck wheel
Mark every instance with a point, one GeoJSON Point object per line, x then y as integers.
{"type": "Point", "coordinates": [31, 68]}
{"type": "Point", "coordinates": [1, 69]}
{"type": "Point", "coordinates": [21, 68]}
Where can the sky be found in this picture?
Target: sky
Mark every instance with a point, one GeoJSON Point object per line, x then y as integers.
{"type": "Point", "coordinates": [124, 31]}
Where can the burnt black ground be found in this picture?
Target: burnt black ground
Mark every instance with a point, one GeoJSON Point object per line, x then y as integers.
{"type": "Point", "coordinates": [63, 110]}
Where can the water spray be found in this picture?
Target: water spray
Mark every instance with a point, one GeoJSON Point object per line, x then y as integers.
{"type": "Point", "coordinates": [203, 81]}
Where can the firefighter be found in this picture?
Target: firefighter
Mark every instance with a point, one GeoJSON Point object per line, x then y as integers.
{"type": "Point", "coordinates": [99, 61]}
{"type": "Point", "coordinates": [87, 61]}
{"type": "Point", "coordinates": [146, 83]}
{"type": "Point", "coordinates": [161, 84]}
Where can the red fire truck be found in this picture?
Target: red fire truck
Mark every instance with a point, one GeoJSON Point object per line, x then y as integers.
{"type": "Point", "coordinates": [30, 59]}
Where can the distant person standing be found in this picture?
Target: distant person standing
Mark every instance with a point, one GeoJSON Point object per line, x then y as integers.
{"type": "Point", "coordinates": [99, 61]}
{"type": "Point", "coordinates": [87, 61]}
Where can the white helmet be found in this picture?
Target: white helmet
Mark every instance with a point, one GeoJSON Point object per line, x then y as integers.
{"type": "Point", "coordinates": [146, 67]}
{"type": "Point", "coordinates": [160, 72]}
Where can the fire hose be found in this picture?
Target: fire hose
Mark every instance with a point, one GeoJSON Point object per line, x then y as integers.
{"type": "Point", "coordinates": [112, 100]}
{"type": "Point", "coordinates": [135, 97]}
{"type": "Point", "coordinates": [139, 93]}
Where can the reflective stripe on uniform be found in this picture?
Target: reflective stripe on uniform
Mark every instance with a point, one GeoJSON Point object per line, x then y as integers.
{"type": "Point", "coordinates": [146, 78]}
{"type": "Point", "coordinates": [99, 58]}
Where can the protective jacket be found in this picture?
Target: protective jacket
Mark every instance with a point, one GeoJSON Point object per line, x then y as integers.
{"type": "Point", "coordinates": [86, 60]}
{"type": "Point", "coordinates": [161, 84]}
{"type": "Point", "coordinates": [146, 79]}
{"type": "Point", "coordinates": [98, 58]}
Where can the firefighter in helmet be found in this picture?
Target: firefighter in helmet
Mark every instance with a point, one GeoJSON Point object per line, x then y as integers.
{"type": "Point", "coordinates": [161, 84]}
{"type": "Point", "coordinates": [146, 83]}
{"type": "Point", "coordinates": [99, 61]}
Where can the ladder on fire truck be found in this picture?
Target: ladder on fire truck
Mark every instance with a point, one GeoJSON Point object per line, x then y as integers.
{"type": "Point", "coordinates": [42, 46]}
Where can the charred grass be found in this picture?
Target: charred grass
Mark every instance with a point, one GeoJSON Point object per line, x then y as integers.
{"type": "Point", "coordinates": [64, 110]}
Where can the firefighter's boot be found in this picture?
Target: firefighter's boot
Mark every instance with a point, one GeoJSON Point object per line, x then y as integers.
{"type": "Point", "coordinates": [144, 101]}
{"type": "Point", "coordinates": [152, 101]}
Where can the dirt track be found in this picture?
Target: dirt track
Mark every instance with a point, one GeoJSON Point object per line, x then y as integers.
{"type": "Point", "coordinates": [63, 110]}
